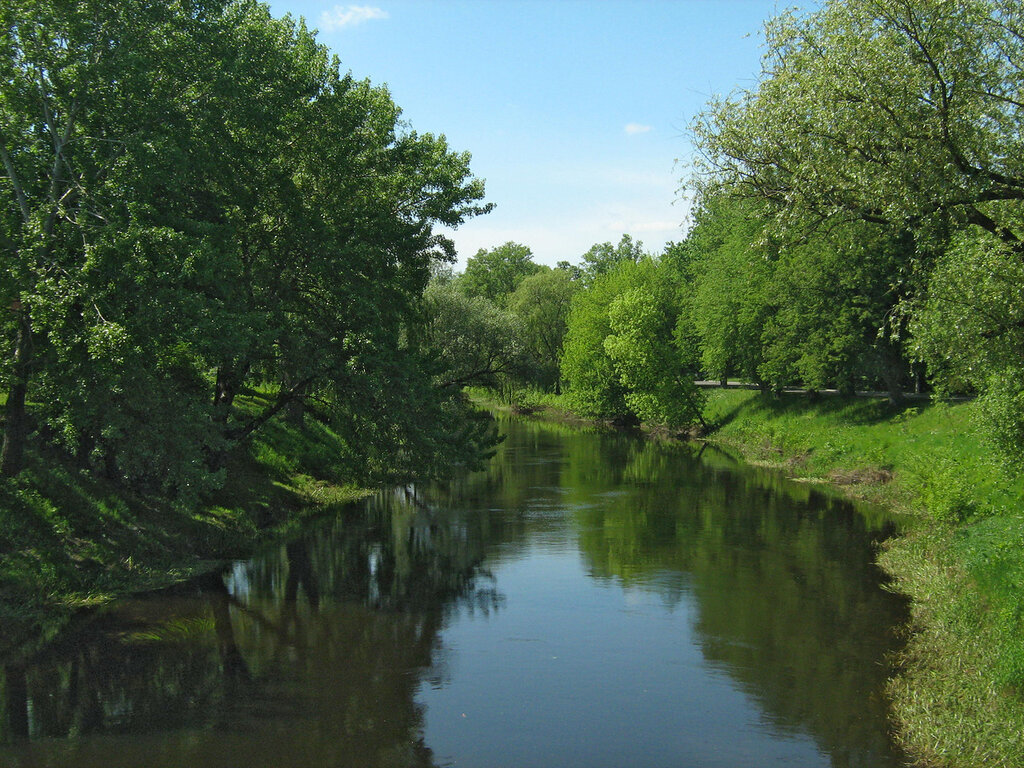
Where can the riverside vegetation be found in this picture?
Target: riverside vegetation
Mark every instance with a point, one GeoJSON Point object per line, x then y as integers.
{"type": "Point", "coordinates": [221, 261]}
{"type": "Point", "coordinates": [858, 225]}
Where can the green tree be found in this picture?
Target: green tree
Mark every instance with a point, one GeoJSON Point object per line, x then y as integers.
{"type": "Point", "coordinates": [93, 109]}
{"type": "Point", "coordinates": [657, 371]}
{"type": "Point", "coordinates": [969, 329]}
{"type": "Point", "coordinates": [593, 384]}
{"type": "Point", "coordinates": [198, 203]}
{"type": "Point", "coordinates": [893, 111]}
{"type": "Point", "coordinates": [730, 300]}
{"type": "Point", "coordinates": [542, 302]}
{"type": "Point", "coordinates": [472, 341]}
{"type": "Point", "coordinates": [495, 274]}
{"type": "Point", "coordinates": [903, 115]}
{"type": "Point", "coordinates": [834, 324]}
{"type": "Point", "coordinates": [604, 257]}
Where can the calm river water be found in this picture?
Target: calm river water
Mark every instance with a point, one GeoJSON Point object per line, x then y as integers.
{"type": "Point", "coordinates": [592, 600]}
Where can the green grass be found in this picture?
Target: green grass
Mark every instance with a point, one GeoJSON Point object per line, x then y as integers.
{"type": "Point", "coordinates": [959, 696]}
{"type": "Point", "coordinates": [929, 459]}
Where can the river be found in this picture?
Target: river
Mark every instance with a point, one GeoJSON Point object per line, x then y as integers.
{"type": "Point", "coordinates": [593, 599]}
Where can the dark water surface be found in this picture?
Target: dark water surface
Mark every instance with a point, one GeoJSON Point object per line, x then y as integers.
{"type": "Point", "coordinates": [593, 600]}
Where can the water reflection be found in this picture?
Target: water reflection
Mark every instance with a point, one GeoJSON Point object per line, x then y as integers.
{"type": "Point", "coordinates": [590, 599]}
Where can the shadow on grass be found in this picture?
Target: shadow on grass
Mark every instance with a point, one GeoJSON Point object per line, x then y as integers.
{"type": "Point", "coordinates": [849, 410]}
{"type": "Point", "coordinates": [69, 539]}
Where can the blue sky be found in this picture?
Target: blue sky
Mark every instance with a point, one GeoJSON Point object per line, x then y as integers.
{"type": "Point", "coordinates": [575, 111]}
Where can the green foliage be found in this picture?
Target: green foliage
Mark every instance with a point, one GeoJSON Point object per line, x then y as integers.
{"type": "Point", "coordinates": [471, 340]}
{"type": "Point", "coordinates": [541, 303]}
{"type": "Point", "coordinates": [495, 274]}
{"type": "Point", "coordinates": [641, 344]}
{"type": "Point", "coordinates": [594, 387]}
{"type": "Point", "coordinates": [882, 148]}
{"type": "Point", "coordinates": [884, 110]}
{"type": "Point", "coordinates": [602, 258]}
{"type": "Point", "coordinates": [730, 299]}
{"type": "Point", "coordinates": [198, 202]}
{"type": "Point", "coordinates": [970, 331]}
{"type": "Point", "coordinates": [623, 354]}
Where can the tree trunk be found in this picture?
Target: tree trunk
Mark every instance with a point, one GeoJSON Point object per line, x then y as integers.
{"type": "Point", "coordinates": [893, 369]}
{"type": "Point", "coordinates": [295, 413]}
{"type": "Point", "coordinates": [224, 395]}
{"type": "Point", "coordinates": [295, 410]}
{"type": "Point", "coordinates": [16, 700]}
{"type": "Point", "coordinates": [12, 453]}
{"type": "Point", "coordinates": [229, 379]}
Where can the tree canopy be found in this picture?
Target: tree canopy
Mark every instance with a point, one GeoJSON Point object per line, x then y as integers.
{"type": "Point", "coordinates": [198, 203]}
{"type": "Point", "coordinates": [496, 273]}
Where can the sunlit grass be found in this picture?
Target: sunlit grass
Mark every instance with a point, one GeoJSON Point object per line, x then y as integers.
{"type": "Point", "coordinates": [959, 697]}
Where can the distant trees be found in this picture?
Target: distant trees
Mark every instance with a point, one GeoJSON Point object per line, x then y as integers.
{"type": "Point", "coordinates": [541, 303]}
{"type": "Point", "coordinates": [594, 387]}
{"type": "Point", "coordinates": [495, 274]}
{"type": "Point", "coordinates": [602, 258]}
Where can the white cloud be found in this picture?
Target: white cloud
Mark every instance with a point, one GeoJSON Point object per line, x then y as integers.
{"type": "Point", "coordinates": [634, 128]}
{"type": "Point", "coordinates": [348, 16]}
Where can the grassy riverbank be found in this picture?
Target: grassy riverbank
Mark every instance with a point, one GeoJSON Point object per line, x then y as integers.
{"type": "Point", "coordinates": [959, 692]}
{"type": "Point", "coordinates": [68, 539]}
{"type": "Point", "coordinates": [959, 696]}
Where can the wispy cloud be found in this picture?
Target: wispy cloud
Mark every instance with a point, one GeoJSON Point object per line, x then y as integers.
{"type": "Point", "coordinates": [634, 128]}
{"type": "Point", "coordinates": [341, 16]}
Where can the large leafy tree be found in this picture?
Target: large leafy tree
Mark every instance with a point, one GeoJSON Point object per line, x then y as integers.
{"type": "Point", "coordinates": [93, 110]}
{"type": "Point", "coordinates": [542, 302]}
{"type": "Point", "coordinates": [901, 112]}
{"type": "Point", "coordinates": [496, 273]}
{"type": "Point", "coordinates": [657, 371]}
{"type": "Point", "coordinates": [197, 202]}
{"type": "Point", "coordinates": [470, 339]}
{"type": "Point", "coordinates": [593, 385]}
{"type": "Point", "coordinates": [729, 299]}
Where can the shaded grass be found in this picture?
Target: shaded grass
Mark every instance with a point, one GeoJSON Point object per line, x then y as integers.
{"type": "Point", "coordinates": [69, 539]}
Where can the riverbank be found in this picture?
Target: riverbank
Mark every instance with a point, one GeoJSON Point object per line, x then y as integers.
{"type": "Point", "coordinates": [958, 695]}
{"type": "Point", "coordinates": [70, 540]}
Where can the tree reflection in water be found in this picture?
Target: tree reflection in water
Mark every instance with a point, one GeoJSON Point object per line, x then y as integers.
{"type": "Point", "coordinates": [324, 650]}
{"type": "Point", "coordinates": [309, 654]}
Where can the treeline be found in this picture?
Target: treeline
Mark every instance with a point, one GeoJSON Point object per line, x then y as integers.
{"type": "Point", "coordinates": [198, 205]}
{"type": "Point", "coordinates": [858, 223]}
